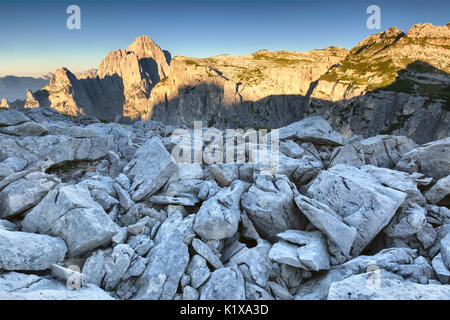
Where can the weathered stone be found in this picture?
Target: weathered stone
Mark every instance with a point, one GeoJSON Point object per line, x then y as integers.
{"type": "Point", "coordinates": [124, 197]}
{"type": "Point", "coordinates": [380, 151]}
{"type": "Point", "coordinates": [386, 287]}
{"type": "Point", "coordinates": [257, 261]}
{"type": "Point", "coordinates": [442, 272]}
{"type": "Point", "coordinates": [190, 293]}
{"type": "Point", "coordinates": [269, 204]}
{"type": "Point", "coordinates": [445, 250]}
{"type": "Point", "coordinates": [314, 129]}
{"type": "Point", "coordinates": [224, 284]}
{"type": "Point", "coordinates": [24, 193]}
{"type": "Point", "coordinates": [219, 216]}
{"type": "Point", "coordinates": [359, 199]}
{"type": "Point", "coordinates": [225, 174]}
{"type": "Point", "coordinates": [329, 222]}
{"type": "Point", "coordinates": [164, 271]}
{"type": "Point", "coordinates": [12, 117]}
{"type": "Point", "coordinates": [198, 271]}
{"type": "Point", "coordinates": [25, 129]}
{"type": "Point", "coordinates": [408, 222]}
{"type": "Point", "coordinates": [27, 251]}
{"type": "Point", "coordinates": [312, 249]}
{"type": "Point", "coordinates": [431, 159]}
{"type": "Point", "coordinates": [73, 215]}
{"type": "Point", "coordinates": [440, 193]}
{"type": "Point", "coordinates": [205, 251]}
{"type": "Point", "coordinates": [18, 286]}
{"type": "Point", "coordinates": [150, 169]}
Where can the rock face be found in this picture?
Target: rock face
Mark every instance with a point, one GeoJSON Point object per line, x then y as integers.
{"type": "Point", "coordinates": [392, 83]}
{"type": "Point", "coordinates": [120, 88]}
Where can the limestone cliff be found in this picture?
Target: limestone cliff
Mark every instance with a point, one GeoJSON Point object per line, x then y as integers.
{"type": "Point", "coordinates": [391, 82]}
{"type": "Point", "coordinates": [266, 88]}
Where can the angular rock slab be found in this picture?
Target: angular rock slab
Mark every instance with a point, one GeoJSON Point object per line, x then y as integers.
{"type": "Point", "coordinates": [19, 286]}
{"type": "Point", "coordinates": [219, 216]}
{"type": "Point", "coordinates": [381, 151]}
{"type": "Point", "coordinates": [359, 199]}
{"type": "Point", "coordinates": [270, 206]}
{"type": "Point", "coordinates": [329, 222]}
{"type": "Point", "coordinates": [58, 148]}
{"type": "Point", "coordinates": [431, 159]}
{"type": "Point", "coordinates": [224, 284]}
{"type": "Point", "coordinates": [314, 129]}
{"type": "Point", "coordinates": [150, 168]}
{"type": "Point", "coordinates": [28, 251]}
{"type": "Point", "coordinates": [257, 261]}
{"type": "Point", "coordinates": [24, 193]}
{"type": "Point", "coordinates": [312, 249]}
{"type": "Point", "coordinates": [167, 262]}
{"type": "Point", "coordinates": [440, 193]}
{"type": "Point", "coordinates": [382, 286]}
{"type": "Point", "coordinates": [73, 215]}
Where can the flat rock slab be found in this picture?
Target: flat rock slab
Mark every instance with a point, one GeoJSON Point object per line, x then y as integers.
{"type": "Point", "coordinates": [19, 286]}
{"type": "Point", "coordinates": [28, 251]}
{"type": "Point", "coordinates": [431, 159]}
{"type": "Point", "coordinates": [382, 286]}
{"type": "Point", "coordinates": [314, 129]}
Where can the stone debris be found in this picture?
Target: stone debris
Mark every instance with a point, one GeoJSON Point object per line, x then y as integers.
{"type": "Point", "coordinates": [106, 208]}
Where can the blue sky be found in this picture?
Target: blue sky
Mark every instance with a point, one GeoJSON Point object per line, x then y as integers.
{"type": "Point", "coordinates": [34, 38]}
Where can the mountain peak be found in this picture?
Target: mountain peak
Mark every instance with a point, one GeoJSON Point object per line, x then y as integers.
{"type": "Point", "coordinates": [428, 30]}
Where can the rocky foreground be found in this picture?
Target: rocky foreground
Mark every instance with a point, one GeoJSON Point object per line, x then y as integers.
{"type": "Point", "coordinates": [95, 210]}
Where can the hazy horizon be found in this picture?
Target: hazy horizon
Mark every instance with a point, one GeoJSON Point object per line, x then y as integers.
{"type": "Point", "coordinates": [34, 39]}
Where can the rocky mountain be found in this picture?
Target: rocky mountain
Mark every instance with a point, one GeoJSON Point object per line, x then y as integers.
{"type": "Point", "coordinates": [95, 210]}
{"type": "Point", "coordinates": [267, 88]}
{"type": "Point", "coordinates": [13, 88]}
{"type": "Point", "coordinates": [390, 83]}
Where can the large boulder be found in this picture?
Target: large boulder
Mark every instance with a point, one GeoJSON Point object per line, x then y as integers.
{"type": "Point", "coordinates": [269, 204]}
{"type": "Point", "coordinates": [150, 168]}
{"type": "Point", "coordinates": [383, 285]}
{"type": "Point", "coordinates": [440, 193]}
{"type": "Point", "coordinates": [381, 151]}
{"type": "Point", "coordinates": [404, 262]}
{"type": "Point", "coordinates": [224, 284]}
{"type": "Point", "coordinates": [19, 286]}
{"type": "Point", "coordinates": [24, 193]}
{"type": "Point", "coordinates": [314, 129]}
{"type": "Point", "coordinates": [329, 222]}
{"type": "Point", "coordinates": [167, 262]}
{"type": "Point", "coordinates": [359, 198]}
{"type": "Point", "coordinates": [257, 261]}
{"type": "Point", "coordinates": [28, 251]}
{"type": "Point", "coordinates": [431, 159]}
{"type": "Point", "coordinates": [73, 215]}
{"type": "Point", "coordinates": [219, 216]}
{"type": "Point", "coordinates": [302, 249]}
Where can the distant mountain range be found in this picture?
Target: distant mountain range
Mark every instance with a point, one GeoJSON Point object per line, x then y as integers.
{"type": "Point", "coordinates": [12, 87]}
{"type": "Point", "coordinates": [391, 82]}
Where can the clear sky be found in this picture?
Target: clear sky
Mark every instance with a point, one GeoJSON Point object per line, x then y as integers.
{"type": "Point", "coordinates": [34, 38]}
